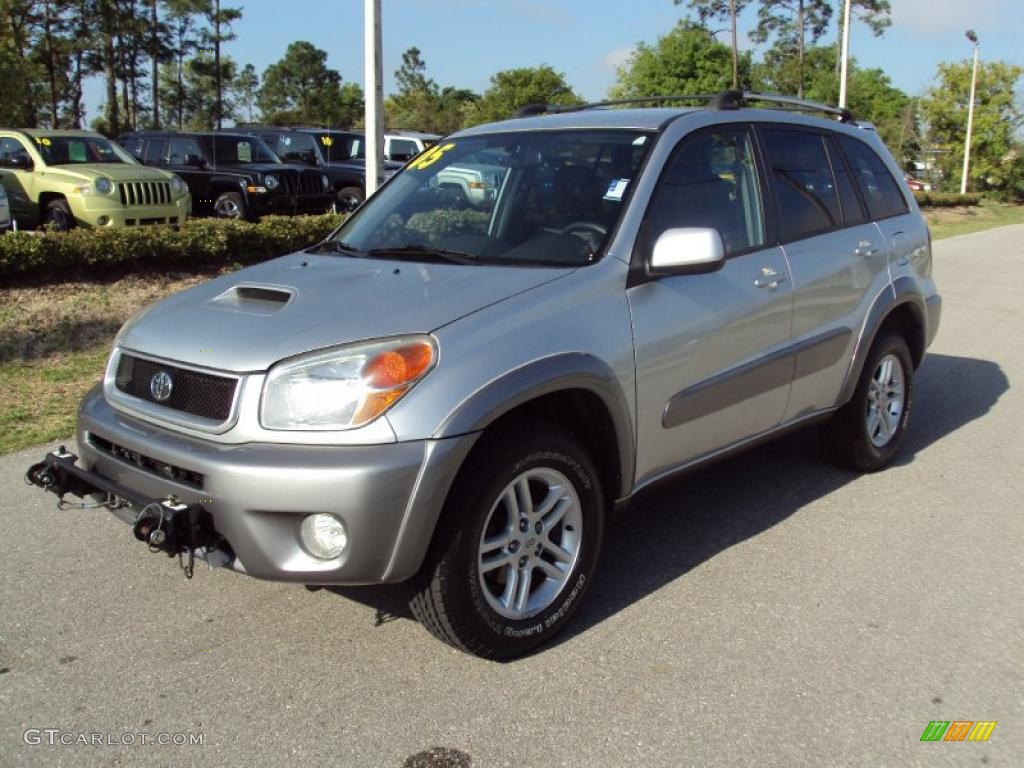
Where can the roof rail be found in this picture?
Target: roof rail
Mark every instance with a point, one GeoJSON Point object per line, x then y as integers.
{"type": "Point", "coordinates": [723, 100]}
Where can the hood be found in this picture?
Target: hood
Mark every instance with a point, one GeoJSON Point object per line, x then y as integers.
{"type": "Point", "coordinates": [249, 320]}
{"type": "Point", "coordinates": [360, 165]}
{"type": "Point", "coordinates": [260, 168]}
{"type": "Point", "coordinates": [113, 171]}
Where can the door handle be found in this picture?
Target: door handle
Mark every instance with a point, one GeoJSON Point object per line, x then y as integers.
{"type": "Point", "coordinates": [865, 248]}
{"type": "Point", "coordinates": [769, 278]}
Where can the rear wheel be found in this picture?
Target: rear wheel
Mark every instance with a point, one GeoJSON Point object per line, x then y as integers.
{"type": "Point", "coordinates": [230, 205]}
{"type": "Point", "coordinates": [57, 215]}
{"type": "Point", "coordinates": [516, 547]}
{"type": "Point", "coordinates": [866, 433]}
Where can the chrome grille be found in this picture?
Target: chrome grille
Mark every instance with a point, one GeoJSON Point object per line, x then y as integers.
{"type": "Point", "coordinates": [144, 192]}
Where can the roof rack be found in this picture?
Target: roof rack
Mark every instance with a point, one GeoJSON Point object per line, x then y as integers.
{"type": "Point", "coordinates": [723, 100]}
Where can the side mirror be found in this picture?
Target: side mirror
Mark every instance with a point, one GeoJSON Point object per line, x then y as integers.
{"type": "Point", "coordinates": [21, 161]}
{"type": "Point", "coordinates": [687, 250]}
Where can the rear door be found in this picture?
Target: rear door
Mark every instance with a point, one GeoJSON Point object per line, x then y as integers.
{"type": "Point", "coordinates": [837, 258]}
{"type": "Point", "coordinates": [711, 349]}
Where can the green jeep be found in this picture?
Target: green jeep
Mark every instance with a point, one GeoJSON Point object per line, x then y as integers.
{"type": "Point", "coordinates": [68, 178]}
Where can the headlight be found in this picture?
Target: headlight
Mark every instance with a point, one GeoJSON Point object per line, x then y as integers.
{"type": "Point", "coordinates": [325, 181]}
{"type": "Point", "coordinates": [346, 387]}
{"type": "Point", "coordinates": [103, 186]}
{"type": "Point", "coordinates": [270, 181]}
{"type": "Point", "coordinates": [178, 187]}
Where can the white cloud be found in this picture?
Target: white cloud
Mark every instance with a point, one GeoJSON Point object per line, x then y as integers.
{"type": "Point", "coordinates": [612, 60]}
{"type": "Point", "coordinates": [929, 16]}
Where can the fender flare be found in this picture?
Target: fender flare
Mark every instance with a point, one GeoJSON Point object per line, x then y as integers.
{"type": "Point", "coordinates": [548, 375]}
{"type": "Point", "coordinates": [903, 291]}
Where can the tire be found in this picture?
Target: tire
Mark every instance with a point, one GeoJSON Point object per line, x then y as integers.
{"type": "Point", "coordinates": [860, 436]}
{"type": "Point", "coordinates": [462, 602]}
{"type": "Point", "coordinates": [230, 205]}
{"type": "Point", "coordinates": [349, 198]}
{"type": "Point", "coordinates": [57, 215]}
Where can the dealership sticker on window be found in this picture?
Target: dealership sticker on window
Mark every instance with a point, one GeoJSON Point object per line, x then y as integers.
{"type": "Point", "coordinates": [326, 141]}
{"type": "Point", "coordinates": [616, 189]}
{"type": "Point", "coordinates": [429, 157]}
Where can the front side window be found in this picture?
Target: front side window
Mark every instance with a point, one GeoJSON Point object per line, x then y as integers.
{"type": "Point", "coordinates": [802, 178]}
{"type": "Point", "coordinates": [536, 198]}
{"type": "Point", "coordinates": [156, 151]}
{"type": "Point", "coordinates": [881, 191]}
{"type": "Point", "coordinates": [241, 150]}
{"type": "Point", "coordinates": [12, 152]}
{"type": "Point", "coordinates": [711, 181]}
{"type": "Point", "coordinates": [403, 149]}
{"type": "Point", "coordinates": [78, 150]}
{"type": "Point", "coordinates": [183, 151]}
{"type": "Point", "coordinates": [296, 148]}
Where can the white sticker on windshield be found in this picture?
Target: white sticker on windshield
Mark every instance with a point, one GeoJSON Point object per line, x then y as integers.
{"type": "Point", "coordinates": [639, 141]}
{"type": "Point", "coordinates": [286, 140]}
{"type": "Point", "coordinates": [616, 189]}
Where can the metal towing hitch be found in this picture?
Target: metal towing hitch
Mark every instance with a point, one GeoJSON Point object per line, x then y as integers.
{"type": "Point", "coordinates": [164, 525]}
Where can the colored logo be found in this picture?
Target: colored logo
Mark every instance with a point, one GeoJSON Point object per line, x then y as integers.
{"type": "Point", "coordinates": [958, 730]}
{"type": "Point", "coordinates": [160, 386]}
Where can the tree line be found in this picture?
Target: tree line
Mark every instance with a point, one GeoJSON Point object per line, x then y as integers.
{"type": "Point", "coordinates": [164, 65]}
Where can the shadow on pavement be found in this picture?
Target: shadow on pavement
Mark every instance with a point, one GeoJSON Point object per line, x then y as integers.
{"type": "Point", "coordinates": [682, 523]}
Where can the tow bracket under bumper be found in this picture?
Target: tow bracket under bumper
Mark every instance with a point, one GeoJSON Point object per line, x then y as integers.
{"type": "Point", "coordinates": [164, 525]}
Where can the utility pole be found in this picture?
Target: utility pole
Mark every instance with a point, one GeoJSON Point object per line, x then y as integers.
{"type": "Point", "coordinates": [735, 50]}
{"type": "Point", "coordinates": [970, 114]}
{"type": "Point", "coordinates": [846, 54]}
{"type": "Point", "coordinates": [373, 73]}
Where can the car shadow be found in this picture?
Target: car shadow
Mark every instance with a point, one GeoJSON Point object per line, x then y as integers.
{"type": "Point", "coordinates": [673, 528]}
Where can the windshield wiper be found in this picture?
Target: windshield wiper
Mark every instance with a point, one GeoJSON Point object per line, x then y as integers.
{"type": "Point", "coordinates": [424, 252]}
{"type": "Point", "coordinates": [337, 246]}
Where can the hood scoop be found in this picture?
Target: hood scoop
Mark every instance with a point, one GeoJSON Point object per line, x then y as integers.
{"type": "Point", "coordinates": [255, 299]}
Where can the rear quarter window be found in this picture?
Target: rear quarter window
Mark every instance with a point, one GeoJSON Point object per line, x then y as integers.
{"type": "Point", "coordinates": [881, 191]}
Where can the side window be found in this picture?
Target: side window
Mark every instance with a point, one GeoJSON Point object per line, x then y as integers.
{"type": "Point", "coordinates": [403, 149]}
{"type": "Point", "coordinates": [881, 191]}
{"type": "Point", "coordinates": [711, 181]}
{"type": "Point", "coordinates": [849, 201]}
{"type": "Point", "coordinates": [803, 182]}
{"type": "Point", "coordinates": [180, 149]}
{"type": "Point", "coordinates": [133, 147]}
{"type": "Point", "coordinates": [11, 149]}
{"type": "Point", "coordinates": [156, 151]}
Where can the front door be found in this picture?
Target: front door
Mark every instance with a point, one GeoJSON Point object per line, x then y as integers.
{"type": "Point", "coordinates": [15, 181]}
{"type": "Point", "coordinates": [712, 350]}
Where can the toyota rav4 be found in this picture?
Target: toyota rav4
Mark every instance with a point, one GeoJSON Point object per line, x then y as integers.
{"type": "Point", "coordinates": [458, 399]}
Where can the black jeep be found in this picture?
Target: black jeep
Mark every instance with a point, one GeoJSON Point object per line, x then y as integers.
{"type": "Point", "coordinates": [233, 175]}
{"type": "Point", "coordinates": [340, 154]}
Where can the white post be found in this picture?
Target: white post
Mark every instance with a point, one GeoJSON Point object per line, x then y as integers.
{"type": "Point", "coordinates": [373, 72]}
{"type": "Point", "coordinates": [970, 124]}
{"type": "Point", "coordinates": [846, 55]}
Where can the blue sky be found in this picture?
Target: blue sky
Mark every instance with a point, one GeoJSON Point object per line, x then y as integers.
{"type": "Point", "coordinates": [465, 41]}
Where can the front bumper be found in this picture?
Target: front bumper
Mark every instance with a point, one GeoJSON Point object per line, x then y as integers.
{"type": "Point", "coordinates": [389, 496]}
{"type": "Point", "coordinates": [88, 209]}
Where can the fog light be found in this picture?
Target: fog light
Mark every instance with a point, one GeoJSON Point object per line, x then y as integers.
{"type": "Point", "coordinates": [323, 536]}
{"type": "Point", "coordinates": [103, 221]}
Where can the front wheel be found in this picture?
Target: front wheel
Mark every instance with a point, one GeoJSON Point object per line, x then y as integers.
{"type": "Point", "coordinates": [349, 198]}
{"type": "Point", "coordinates": [866, 433]}
{"type": "Point", "coordinates": [230, 205]}
{"type": "Point", "coordinates": [516, 547]}
{"type": "Point", "coordinates": [58, 216]}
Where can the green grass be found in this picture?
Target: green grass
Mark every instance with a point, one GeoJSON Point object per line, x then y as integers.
{"type": "Point", "coordinates": [39, 398]}
{"type": "Point", "coordinates": [950, 222]}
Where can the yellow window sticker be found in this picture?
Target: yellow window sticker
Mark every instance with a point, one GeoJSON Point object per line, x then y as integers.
{"type": "Point", "coordinates": [44, 141]}
{"type": "Point", "coordinates": [429, 157]}
{"type": "Point", "coordinates": [326, 141]}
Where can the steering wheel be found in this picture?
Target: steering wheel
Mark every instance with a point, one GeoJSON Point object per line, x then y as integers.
{"type": "Point", "coordinates": [588, 227]}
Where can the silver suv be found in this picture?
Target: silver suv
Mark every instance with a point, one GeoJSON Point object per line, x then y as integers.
{"type": "Point", "coordinates": [457, 399]}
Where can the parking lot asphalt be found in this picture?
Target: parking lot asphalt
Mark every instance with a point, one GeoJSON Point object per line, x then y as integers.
{"type": "Point", "coordinates": [770, 610]}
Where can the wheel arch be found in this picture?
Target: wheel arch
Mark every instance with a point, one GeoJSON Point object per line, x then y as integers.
{"type": "Point", "coordinates": [899, 307]}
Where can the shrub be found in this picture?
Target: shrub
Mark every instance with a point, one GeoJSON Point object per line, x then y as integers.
{"type": "Point", "coordinates": [197, 244]}
{"type": "Point", "coordinates": [946, 199]}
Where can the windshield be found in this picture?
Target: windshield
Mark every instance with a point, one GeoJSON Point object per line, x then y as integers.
{"type": "Point", "coordinates": [338, 147]}
{"type": "Point", "coordinates": [77, 150]}
{"type": "Point", "coordinates": [297, 148]}
{"type": "Point", "coordinates": [241, 150]}
{"type": "Point", "coordinates": [543, 198]}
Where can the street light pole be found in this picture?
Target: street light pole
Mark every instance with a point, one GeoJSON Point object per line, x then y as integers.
{"type": "Point", "coordinates": [373, 66]}
{"type": "Point", "coordinates": [846, 54]}
{"type": "Point", "coordinates": [970, 114]}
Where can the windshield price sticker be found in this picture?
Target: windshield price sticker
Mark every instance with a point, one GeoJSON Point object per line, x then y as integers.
{"type": "Point", "coordinates": [429, 157]}
{"type": "Point", "coordinates": [616, 189]}
{"type": "Point", "coordinates": [44, 141]}
{"type": "Point", "coordinates": [326, 141]}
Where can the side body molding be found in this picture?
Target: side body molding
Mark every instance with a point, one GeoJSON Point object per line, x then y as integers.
{"type": "Point", "coordinates": [571, 370]}
{"type": "Point", "coordinates": [902, 291]}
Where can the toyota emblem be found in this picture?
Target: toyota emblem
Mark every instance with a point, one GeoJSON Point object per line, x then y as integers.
{"type": "Point", "coordinates": [160, 386]}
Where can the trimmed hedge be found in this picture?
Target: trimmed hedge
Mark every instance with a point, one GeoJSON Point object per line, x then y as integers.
{"type": "Point", "coordinates": [197, 244]}
{"type": "Point", "coordinates": [946, 199]}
